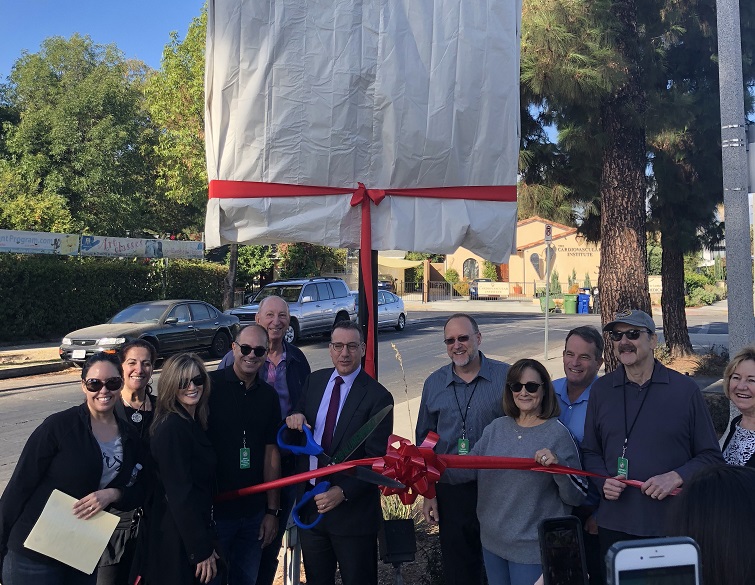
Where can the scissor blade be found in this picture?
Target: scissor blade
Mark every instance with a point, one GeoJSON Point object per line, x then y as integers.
{"type": "Point", "coordinates": [374, 477]}
{"type": "Point", "coordinates": [360, 436]}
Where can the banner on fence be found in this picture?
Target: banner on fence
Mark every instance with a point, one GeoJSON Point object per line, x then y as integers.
{"type": "Point", "coordinates": [140, 247]}
{"type": "Point", "coordinates": [19, 242]}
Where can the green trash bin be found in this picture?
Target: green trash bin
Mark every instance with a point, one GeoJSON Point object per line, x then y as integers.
{"type": "Point", "coordinates": [570, 304]}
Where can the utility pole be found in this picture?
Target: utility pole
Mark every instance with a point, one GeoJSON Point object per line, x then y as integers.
{"type": "Point", "coordinates": [739, 268]}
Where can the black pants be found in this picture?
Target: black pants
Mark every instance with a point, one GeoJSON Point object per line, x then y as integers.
{"type": "Point", "coordinates": [460, 533]}
{"type": "Point", "coordinates": [269, 560]}
{"type": "Point", "coordinates": [355, 556]}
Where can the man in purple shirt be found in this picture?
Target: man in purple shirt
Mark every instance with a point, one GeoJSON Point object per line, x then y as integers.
{"type": "Point", "coordinates": [644, 422]}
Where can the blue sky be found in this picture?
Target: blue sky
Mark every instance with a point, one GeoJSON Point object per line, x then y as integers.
{"type": "Point", "coordinates": [140, 28]}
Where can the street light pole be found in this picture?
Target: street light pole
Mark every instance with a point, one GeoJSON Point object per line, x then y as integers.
{"type": "Point", "coordinates": [739, 268]}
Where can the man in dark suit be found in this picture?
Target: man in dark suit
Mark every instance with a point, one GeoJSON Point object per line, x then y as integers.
{"type": "Point", "coordinates": [336, 403]}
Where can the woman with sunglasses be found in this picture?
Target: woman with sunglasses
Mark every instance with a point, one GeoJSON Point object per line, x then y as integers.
{"type": "Point", "coordinates": [181, 538]}
{"type": "Point", "coordinates": [136, 407]}
{"type": "Point", "coordinates": [511, 503]}
{"type": "Point", "coordinates": [85, 452]}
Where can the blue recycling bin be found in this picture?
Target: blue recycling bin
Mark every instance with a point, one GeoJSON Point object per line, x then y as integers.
{"type": "Point", "coordinates": [583, 303]}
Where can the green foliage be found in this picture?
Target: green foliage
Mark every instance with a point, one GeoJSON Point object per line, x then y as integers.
{"type": "Point", "coordinates": [78, 156]}
{"type": "Point", "coordinates": [694, 280]}
{"type": "Point", "coordinates": [252, 261]}
{"type": "Point", "coordinates": [49, 296]}
{"type": "Point", "coordinates": [555, 288]}
{"type": "Point", "coordinates": [705, 295]}
{"type": "Point", "coordinates": [654, 258]}
{"type": "Point", "coordinates": [489, 270]}
{"type": "Point", "coordinates": [587, 284]}
{"type": "Point", "coordinates": [175, 98]}
{"type": "Point", "coordinates": [452, 275]}
{"type": "Point", "coordinates": [302, 259]}
{"type": "Point", "coordinates": [417, 274]}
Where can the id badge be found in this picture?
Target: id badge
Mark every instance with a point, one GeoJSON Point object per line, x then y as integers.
{"type": "Point", "coordinates": [623, 467]}
{"type": "Point", "coordinates": [245, 457]}
{"type": "Point", "coordinates": [463, 446]}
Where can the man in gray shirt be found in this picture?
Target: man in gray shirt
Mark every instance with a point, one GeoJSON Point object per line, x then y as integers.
{"type": "Point", "coordinates": [458, 401]}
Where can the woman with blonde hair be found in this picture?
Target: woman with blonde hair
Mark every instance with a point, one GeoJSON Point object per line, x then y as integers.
{"type": "Point", "coordinates": [739, 387]}
{"type": "Point", "coordinates": [181, 540]}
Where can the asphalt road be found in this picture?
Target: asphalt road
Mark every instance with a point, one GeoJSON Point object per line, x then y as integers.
{"type": "Point", "coordinates": [25, 402]}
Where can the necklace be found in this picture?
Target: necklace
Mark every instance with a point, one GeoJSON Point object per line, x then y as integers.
{"type": "Point", "coordinates": [136, 416]}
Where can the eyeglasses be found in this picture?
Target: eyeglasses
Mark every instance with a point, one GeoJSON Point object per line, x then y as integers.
{"type": "Point", "coordinates": [258, 350]}
{"type": "Point", "coordinates": [338, 347]}
{"type": "Point", "coordinates": [111, 384]}
{"type": "Point", "coordinates": [631, 334]}
{"type": "Point", "coordinates": [452, 340]}
{"type": "Point", "coordinates": [197, 380]}
{"type": "Point", "coordinates": [530, 387]}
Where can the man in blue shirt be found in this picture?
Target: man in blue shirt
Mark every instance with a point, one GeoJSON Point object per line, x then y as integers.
{"type": "Point", "coordinates": [583, 357]}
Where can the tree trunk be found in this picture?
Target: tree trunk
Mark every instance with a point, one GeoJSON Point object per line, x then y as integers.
{"type": "Point", "coordinates": [230, 279]}
{"type": "Point", "coordinates": [672, 298]}
{"type": "Point", "coordinates": [623, 281]}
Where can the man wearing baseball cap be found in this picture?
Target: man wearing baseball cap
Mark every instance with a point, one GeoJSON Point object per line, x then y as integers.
{"type": "Point", "coordinates": [644, 422]}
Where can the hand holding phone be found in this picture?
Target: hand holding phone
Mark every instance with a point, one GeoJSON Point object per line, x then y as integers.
{"type": "Point", "coordinates": [562, 551]}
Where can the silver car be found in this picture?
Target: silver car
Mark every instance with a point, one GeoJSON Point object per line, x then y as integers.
{"type": "Point", "coordinates": [314, 303]}
{"type": "Point", "coordinates": [391, 312]}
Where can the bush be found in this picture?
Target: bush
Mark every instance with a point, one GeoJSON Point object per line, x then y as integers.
{"type": "Point", "coordinates": [461, 288]}
{"type": "Point", "coordinates": [48, 296]}
{"type": "Point", "coordinates": [694, 280]}
{"type": "Point", "coordinates": [707, 295]}
{"type": "Point", "coordinates": [451, 276]}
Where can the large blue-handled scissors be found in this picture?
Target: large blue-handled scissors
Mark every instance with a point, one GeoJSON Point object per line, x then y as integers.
{"type": "Point", "coordinates": [313, 449]}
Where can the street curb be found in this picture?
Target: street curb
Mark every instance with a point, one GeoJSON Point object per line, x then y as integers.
{"type": "Point", "coordinates": [22, 371]}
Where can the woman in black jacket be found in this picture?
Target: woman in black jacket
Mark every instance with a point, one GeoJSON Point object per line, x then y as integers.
{"type": "Point", "coordinates": [181, 538]}
{"type": "Point", "coordinates": [85, 452]}
{"type": "Point", "coordinates": [136, 406]}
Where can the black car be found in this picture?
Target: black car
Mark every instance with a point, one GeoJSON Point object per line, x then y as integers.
{"type": "Point", "coordinates": [171, 326]}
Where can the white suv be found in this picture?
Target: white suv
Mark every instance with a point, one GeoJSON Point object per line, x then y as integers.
{"type": "Point", "coordinates": [314, 303]}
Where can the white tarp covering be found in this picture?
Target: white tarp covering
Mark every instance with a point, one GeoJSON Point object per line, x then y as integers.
{"type": "Point", "coordinates": [391, 93]}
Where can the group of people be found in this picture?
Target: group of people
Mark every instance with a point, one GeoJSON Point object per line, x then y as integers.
{"type": "Point", "coordinates": [642, 422]}
{"type": "Point", "coordinates": [159, 462]}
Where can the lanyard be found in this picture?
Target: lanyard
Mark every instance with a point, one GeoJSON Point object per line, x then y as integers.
{"type": "Point", "coordinates": [465, 413]}
{"type": "Point", "coordinates": [628, 431]}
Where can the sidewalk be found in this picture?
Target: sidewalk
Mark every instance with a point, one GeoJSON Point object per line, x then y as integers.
{"type": "Point", "coordinates": [30, 360]}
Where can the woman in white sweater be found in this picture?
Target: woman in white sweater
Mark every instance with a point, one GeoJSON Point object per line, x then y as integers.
{"type": "Point", "coordinates": [511, 503]}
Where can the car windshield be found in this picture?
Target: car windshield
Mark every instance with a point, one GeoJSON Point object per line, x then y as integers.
{"type": "Point", "coordinates": [140, 314]}
{"type": "Point", "coordinates": [289, 293]}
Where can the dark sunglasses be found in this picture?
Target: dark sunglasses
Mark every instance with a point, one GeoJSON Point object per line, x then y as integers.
{"type": "Point", "coordinates": [452, 340]}
{"type": "Point", "coordinates": [531, 387]}
{"type": "Point", "coordinates": [197, 380]}
{"type": "Point", "coordinates": [246, 349]}
{"type": "Point", "coordinates": [95, 385]}
{"type": "Point", "coordinates": [631, 334]}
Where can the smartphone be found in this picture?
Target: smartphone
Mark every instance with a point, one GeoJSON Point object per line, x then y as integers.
{"type": "Point", "coordinates": [660, 561]}
{"type": "Point", "coordinates": [562, 551]}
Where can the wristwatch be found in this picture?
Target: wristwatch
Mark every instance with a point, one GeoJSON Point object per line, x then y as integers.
{"type": "Point", "coordinates": [273, 511]}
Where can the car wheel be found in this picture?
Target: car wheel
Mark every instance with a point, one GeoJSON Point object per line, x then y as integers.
{"type": "Point", "coordinates": [221, 343]}
{"type": "Point", "coordinates": [292, 333]}
{"type": "Point", "coordinates": [401, 323]}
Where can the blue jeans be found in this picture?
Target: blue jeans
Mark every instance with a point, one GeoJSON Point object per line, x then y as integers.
{"type": "Point", "coordinates": [240, 545]}
{"type": "Point", "coordinates": [21, 570]}
{"type": "Point", "coordinates": [503, 572]}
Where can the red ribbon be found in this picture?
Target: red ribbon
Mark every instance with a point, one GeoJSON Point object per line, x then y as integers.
{"type": "Point", "coordinates": [360, 196]}
{"type": "Point", "coordinates": [419, 469]}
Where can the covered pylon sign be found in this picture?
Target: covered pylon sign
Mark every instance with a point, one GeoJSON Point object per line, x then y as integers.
{"type": "Point", "coordinates": [407, 109]}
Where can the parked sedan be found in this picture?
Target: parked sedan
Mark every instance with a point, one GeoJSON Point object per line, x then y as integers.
{"type": "Point", "coordinates": [171, 326]}
{"type": "Point", "coordinates": [391, 312]}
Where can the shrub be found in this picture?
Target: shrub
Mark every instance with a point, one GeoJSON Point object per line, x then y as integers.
{"type": "Point", "coordinates": [693, 280]}
{"type": "Point", "coordinates": [451, 276]}
{"type": "Point", "coordinates": [48, 296]}
{"type": "Point", "coordinates": [461, 288]}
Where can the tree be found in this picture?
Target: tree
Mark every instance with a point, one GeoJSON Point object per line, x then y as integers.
{"type": "Point", "coordinates": [303, 259]}
{"type": "Point", "coordinates": [489, 270]}
{"type": "Point", "coordinates": [252, 262]}
{"type": "Point", "coordinates": [175, 99]}
{"type": "Point", "coordinates": [77, 140]}
{"type": "Point", "coordinates": [547, 201]}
